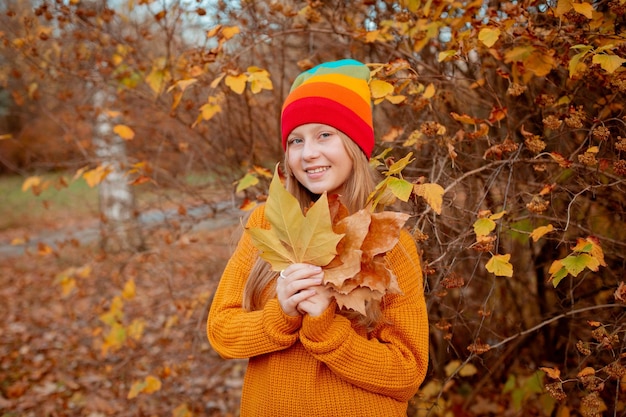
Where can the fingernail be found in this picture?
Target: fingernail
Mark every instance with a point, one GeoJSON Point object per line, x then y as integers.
{"type": "Point", "coordinates": [316, 268]}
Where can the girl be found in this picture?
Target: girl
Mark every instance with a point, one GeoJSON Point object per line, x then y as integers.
{"type": "Point", "coordinates": [306, 356]}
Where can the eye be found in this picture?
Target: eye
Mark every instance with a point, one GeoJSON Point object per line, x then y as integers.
{"type": "Point", "coordinates": [294, 140]}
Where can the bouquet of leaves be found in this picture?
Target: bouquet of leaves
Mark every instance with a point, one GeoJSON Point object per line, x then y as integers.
{"type": "Point", "coordinates": [349, 247]}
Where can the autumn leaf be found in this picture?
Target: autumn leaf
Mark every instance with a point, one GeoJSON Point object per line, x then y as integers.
{"type": "Point", "coordinates": [31, 182]}
{"type": "Point", "coordinates": [294, 237]}
{"type": "Point", "coordinates": [429, 91]}
{"type": "Point", "coordinates": [432, 193]}
{"type": "Point", "coordinates": [230, 31]}
{"type": "Point", "coordinates": [135, 329]}
{"type": "Point", "coordinates": [586, 9]}
{"type": "Point", "coordinates": [538, 233]}
{"type": "Point", "coordinates": [464, 118]}
{"type": "Point", "coordinates": [500, 266]}
{"type": "Point", "coordinates": [237, 83]}
{"type": "Point", "coordinates": [380, 88]}
{"type": "Point", "coordinates": [95, 176]}
{"type": "Point", "coordinates": [400, 188]}
{"type": "Point", "coordinates": [249, 180]}
{"type": "Point", "coordinates": [489, 36]}
{"type": "Point", "coordinates": [484, 226]}
{"type": "Point", "coordinates": [124, 132]}
{"type": "Point", "coordinates": [444, 55]}
{"type": "Point", "coordinates": [129, 290]}
{"type": "Point", "coordinates": [114, 338]}
{"type": "Point", "coordinates": [259, 80]}
{"type": "Point", "coordinates": [552, 373]}
{"type": "Point", "coordinates": [149, 385]}
{"type": "Point", "coordinates": [609, 63]}
{"type": "Point", "coordinates": [575, 264]}
{"type": "Point", "coordinates": [182, 411]}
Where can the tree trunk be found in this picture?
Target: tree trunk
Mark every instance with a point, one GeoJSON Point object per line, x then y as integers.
{"type": "Point", "coordinates": [120, 228]}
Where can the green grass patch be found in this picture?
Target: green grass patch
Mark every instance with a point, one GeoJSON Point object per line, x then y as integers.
{"type": "Point", "coordinates": [54, 204]}
{"type": "Point", "coordinates": [64, 200]}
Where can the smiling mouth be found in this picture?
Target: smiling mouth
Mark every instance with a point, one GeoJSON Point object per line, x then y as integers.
{"type": "Point", "coordinates": [316, 170]}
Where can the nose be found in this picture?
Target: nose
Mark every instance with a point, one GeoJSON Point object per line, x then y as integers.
{"type": "Point", "coordinates": [310, 150]}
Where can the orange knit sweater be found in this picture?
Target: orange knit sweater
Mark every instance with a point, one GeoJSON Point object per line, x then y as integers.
{"type": "Point", "coordinates": [326, 365]}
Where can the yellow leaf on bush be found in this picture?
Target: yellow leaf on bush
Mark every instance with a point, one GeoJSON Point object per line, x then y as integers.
{"type": "Point", "coordinates": [249, 180]}
{"type": "Point", "coordinates": [237, 83]}
{"type": "Point", "coordinates": [518, 54]}
{"type": "Point", "coordinates": [443, 55]}
{"type": "Point", "coordinates": [124, 132]}
{"type": "Point", "coordinates": [230, 31]}
{"type": "Point", "coordinates": [538, 233]}
{"type": "Point", "coordinates": [95, 176]}
{"type": "Point", "coordinates": [484, 226]}
{"type": "Point", "coordinates": [400, 188]}
{"type": "Point", "coordinates": [429, 92]}
{"type": "Point", "coordinates": [562, 7]}
{"type": "Point", "coordinates": [500, 266]}
{"type": "Point", "coordinates": [609, 63]}
{"type": "Point", "coordinates": [590, 245]}
{"type": "Point", "coordinates": [586, 9]}
{"type": "Point", "coordinates": [380, 88]}
{"type": "Point", "coordinates": [489, 36]}
{"type": "Point", "coordinates": [432, 193]}
{"type": "Point", "coordinates": [259, 79]}
{"type": "Point", "coordinates": [553, 373]}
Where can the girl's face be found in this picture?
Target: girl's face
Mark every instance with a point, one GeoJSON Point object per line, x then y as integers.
{"type": "Point", "coordinates": [318, 158]}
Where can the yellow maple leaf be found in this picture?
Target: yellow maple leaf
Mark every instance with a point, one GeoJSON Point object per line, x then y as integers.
{"type": "Point", "coordinates": [295, 237]}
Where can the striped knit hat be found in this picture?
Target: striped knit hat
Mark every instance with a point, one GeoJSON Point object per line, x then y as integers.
{"type": "Point", "coordinates": [334, 93]}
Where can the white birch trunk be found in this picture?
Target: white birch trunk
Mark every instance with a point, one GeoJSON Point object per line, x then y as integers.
{"type": "Point", "coordinates": [119, 224]}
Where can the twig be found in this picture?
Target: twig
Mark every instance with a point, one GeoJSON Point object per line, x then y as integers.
{"type": "Point", "coordinates": [553, 319]}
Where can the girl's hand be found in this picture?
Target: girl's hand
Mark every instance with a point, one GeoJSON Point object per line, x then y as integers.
{"type": "Point", "coordinates": [296, 284]}
{"type": "Point", "coordinates": [316, 304]}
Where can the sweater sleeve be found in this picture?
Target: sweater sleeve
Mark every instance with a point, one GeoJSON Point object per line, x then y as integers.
{"type": "Point", "coordinates": [235, 332]}
{"type": "Point", "coordinates": [393, 360]}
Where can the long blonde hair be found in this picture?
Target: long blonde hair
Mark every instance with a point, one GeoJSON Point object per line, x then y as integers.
{"type": "Point", "coordinates": [357, 189]}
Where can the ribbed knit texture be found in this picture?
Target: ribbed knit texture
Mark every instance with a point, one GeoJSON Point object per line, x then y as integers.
{"type": "Point", "coordinates": [334, 93]}
{"type": "Point", "coordinates": [324, 366]}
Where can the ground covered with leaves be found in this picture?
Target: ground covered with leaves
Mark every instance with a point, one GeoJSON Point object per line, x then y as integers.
{"type": "Point", "coordinates": [83, 333]}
